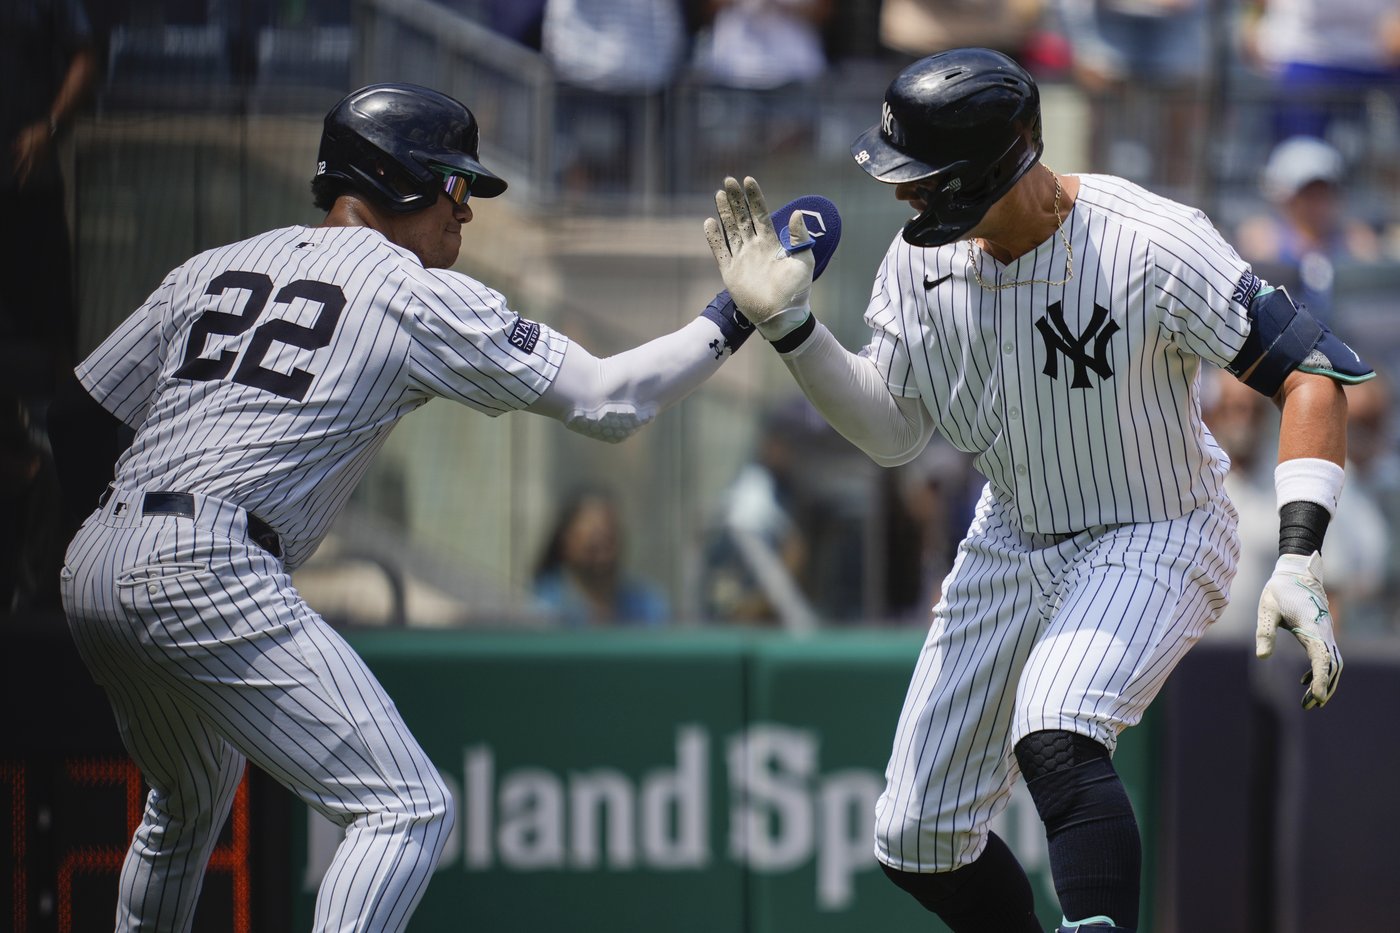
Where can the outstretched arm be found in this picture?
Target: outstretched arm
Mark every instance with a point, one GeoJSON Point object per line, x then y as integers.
{"type": "Point", "coordinates": [612, 398]}
{"type": "Point", "coordinates": [771, 288]}
{"type": "Point", "coordinates": [852, 395]}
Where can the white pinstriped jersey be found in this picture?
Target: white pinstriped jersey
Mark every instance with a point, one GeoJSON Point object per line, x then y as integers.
{"type": "Point", "coordinates": [1078, 400]}
{"type": "Point", "coordinates": [268, 372]}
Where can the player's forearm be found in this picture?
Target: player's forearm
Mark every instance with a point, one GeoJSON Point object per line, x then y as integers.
{"type": "Point", "coordinates": [1314, 419]}
{"type": "Point", "coordinates": [612, 398]}
{"type": "Point", "coordinates": [1312, 453]}
{"type": "Point", "coordinates": [661, 372]}
{"type": "Point", "coordinates": [850, 393]}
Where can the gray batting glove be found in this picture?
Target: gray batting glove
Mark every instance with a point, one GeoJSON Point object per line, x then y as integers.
{"type": "Point", "coordinates": [1295, 601]}
{"type": "Point", "coordinates": [770, 285]}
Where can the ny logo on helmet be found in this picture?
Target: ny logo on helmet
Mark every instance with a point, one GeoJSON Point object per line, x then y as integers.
{"type": "Point", "coordinates": [889, 127]}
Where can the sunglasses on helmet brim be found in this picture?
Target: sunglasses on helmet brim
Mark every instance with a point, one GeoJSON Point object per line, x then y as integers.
{"type": "Point", "coordinates": [456, 184]}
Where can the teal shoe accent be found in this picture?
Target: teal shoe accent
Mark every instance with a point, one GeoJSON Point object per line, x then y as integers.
{"type": "Point", "coordinates": [1101, 924]}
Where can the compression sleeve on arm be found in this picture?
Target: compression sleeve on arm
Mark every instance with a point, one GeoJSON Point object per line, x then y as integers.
{"type": "Point", "coordinates": [611, 399]}
{"type": "Point", "coordinates": [850, 393]}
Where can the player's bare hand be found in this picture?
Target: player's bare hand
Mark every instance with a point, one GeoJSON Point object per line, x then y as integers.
{"type": "Point", "coordinates": [1295, 601]}
{"type": "Point", "coordinates": [764, 279]}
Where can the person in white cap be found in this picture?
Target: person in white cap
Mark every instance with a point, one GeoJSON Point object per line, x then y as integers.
{"type": "Point", "coordinates": [1308, 232]}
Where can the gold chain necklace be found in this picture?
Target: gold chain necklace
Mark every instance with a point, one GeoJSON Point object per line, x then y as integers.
{"type": "Point", "coordinates": [1059, 228]}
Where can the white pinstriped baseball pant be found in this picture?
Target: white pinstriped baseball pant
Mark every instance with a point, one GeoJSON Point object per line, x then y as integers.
{"type": "Point", "coordinates": [210, 657]}
{"type": "Point", "coordinates": [1036, 632]}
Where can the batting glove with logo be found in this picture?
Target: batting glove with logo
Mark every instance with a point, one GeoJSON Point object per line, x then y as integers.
{"type": "Point", "coordinates": [770, 284]}
{"type": "Point", "coordinates": [1295, 601]}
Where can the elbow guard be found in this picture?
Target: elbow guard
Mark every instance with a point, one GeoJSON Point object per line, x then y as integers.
{"type": "Point", "coordinates": [1284, 337]}
{"type": "Point", "coordinates": [613, 423]}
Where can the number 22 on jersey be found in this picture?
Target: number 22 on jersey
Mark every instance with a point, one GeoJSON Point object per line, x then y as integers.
{"type": "Point", "coordinates": [328, 298]}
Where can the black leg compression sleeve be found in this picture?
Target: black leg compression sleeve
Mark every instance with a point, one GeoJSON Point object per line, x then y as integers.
{"type": "Point", "coordinates": [992, 895]}
{"type": "Point", "coordinates": [1095, 852]}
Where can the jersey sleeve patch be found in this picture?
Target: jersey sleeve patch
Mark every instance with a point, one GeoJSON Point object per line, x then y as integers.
{"type": "Point", "coordinates": [524, 335]}
{"type": "Point", "coordinates": [1247, 288]}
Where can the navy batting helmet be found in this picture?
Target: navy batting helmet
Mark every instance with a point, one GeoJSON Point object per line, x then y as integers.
{"type": "Point", "coordinates": [965, 124]}
{"type": "Point", "coordinates": [386, 139]}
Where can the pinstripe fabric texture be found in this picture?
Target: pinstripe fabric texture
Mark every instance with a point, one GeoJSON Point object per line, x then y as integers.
{"type": "Point", "coordinates": [261, 377]}
{"type": "Point", "coordinates": [1104, 542]}
{"type": "Point", "coordinates": [208, 655]}
{"type": "Point", "coordinates": [1123, 448]}
{"type": "Point", "coordinates": [405, 335]}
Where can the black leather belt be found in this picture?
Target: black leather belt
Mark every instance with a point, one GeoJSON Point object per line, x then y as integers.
{"type": "Point", "coordinates": [182, 503]}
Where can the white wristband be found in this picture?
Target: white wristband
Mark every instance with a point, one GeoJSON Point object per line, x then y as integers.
{"type": "Point", "coordinates": [1309, 479]}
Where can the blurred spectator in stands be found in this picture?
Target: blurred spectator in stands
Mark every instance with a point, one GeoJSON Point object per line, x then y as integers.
{"type": "Point", "coordinates": [766, 56]}
{"type": "Point", "coordinates": [1141, 63]}
{"type": "Point", "coordinates": [34, 536]}
{"type": "Point", "coordinates": [916, 28]}
{"type": "Point", "coordinates": [1242, 422]}
{"type": "Point", "coordinates": [757, 554]}
{"type": "Point", "coordinates": [615, 59]}
{"type": "Point", "coordinates": [1367, 593]}
{"type": "Point", "coordinates": [580, 581]}
{"type": "Point", "coordinates": [1322, 57]}
{"type": "Point", "coordinates": [1308, 233]}
{"type": "Point", "coordinates": [933, 498]}
{"type": "Point", "coordinates": [47, 67]}
{"type": "Point", "coordinates": [762, 44]}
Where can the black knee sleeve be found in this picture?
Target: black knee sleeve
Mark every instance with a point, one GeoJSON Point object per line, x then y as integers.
{"type": "Point", "coordinates": [1045, 754]}
{"type": "Point", "coordinates": [992, 895]}
{"type": "Point", "coordinates": [1095, 852]}
{"type": "Point", "coordinates": [1041, 753]}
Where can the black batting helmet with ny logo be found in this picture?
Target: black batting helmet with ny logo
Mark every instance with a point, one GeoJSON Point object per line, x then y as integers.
{"type": "Point", "coordinates": [384, 140]}
{"type": "Point", "coordinates": [965, 123]}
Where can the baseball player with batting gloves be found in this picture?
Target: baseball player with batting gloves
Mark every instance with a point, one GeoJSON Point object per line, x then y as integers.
{"type": "Point", "coordinates": [1054, 326]}
{"type": "Point", "coordinates": [260, 378]}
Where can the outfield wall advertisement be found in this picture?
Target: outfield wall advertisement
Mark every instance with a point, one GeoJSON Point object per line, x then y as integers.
{"type": "Point", "coordinates": [666, 783]}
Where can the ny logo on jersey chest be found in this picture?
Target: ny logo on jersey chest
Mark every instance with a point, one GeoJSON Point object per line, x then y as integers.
{"type": "Point", "coordinates": [1059, 338]}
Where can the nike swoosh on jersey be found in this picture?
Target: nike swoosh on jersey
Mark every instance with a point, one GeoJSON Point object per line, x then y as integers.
{"type": "Point", "coordinates": [931, 284]}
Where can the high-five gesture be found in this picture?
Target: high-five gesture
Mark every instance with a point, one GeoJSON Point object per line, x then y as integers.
{"type": "Point", "coordinates": [765, 279]}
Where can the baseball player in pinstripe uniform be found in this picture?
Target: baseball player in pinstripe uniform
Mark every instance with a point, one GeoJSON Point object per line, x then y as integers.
{"type": "Point", "coordinates": [1055, 327]}
{"type": "Point", "coordinates": [260, 379]}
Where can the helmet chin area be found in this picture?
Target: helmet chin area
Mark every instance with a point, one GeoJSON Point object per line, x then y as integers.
{"type": "Point", "coordinates": [940, 224]}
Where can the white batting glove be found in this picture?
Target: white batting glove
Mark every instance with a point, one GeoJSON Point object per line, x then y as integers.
{"type": "Point", "coordinates": [770, 285]}
{"type": "Point", "coordinates": [1295, 601]}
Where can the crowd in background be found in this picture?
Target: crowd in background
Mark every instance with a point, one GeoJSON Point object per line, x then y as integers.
{"type": "Point", "coordinates": [780, 547]}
